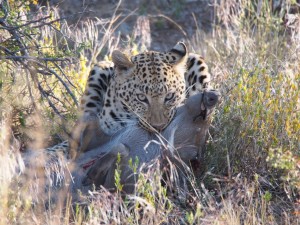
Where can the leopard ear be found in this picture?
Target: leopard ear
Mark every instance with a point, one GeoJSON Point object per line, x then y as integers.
{"type": "Point", "coordinates": [178, 54]}
{"type": "Point", "coordinates": [121, 61]}
{"type": "Point", "coordinates": [178, 57]}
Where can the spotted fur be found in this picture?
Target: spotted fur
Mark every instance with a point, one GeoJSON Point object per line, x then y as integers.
{"type": "Point", "coordinates": [99, 78]}
{"type": "Point", "coordinates": [197, 76]}
{"type": "Point", "coordinates": [62, 147]}
{"type": "Point", "coordinates": [145, 89]}
{"type": "Point", "coordinates": [153, 76]}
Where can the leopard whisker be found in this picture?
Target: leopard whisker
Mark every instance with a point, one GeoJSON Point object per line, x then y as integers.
{"type": "Point", "coordinates": [188, 89]}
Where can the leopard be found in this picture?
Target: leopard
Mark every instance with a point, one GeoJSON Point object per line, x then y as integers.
{"type": "Point", "coordinates": [145, 88]}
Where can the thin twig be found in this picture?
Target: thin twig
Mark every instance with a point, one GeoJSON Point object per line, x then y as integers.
{"type": "Point", "coordinates": [15, 57]}
{"type": "Point", "coordinates": [45, 95]}
{"type": "Point", "coordinates": [63, 73]}
{"type": "Point", "coordinates": [173, 22]}
{"type": "Point", "coordinates": [4, 9]}
{"type": "Point", "coordinates": [61, 81]}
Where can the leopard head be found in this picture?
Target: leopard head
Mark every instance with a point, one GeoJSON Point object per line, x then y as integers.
{"type": "Point", "coordinates": [146, 88]}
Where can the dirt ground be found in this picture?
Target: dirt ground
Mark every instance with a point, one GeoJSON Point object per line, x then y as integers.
{"type": "Point", "coordinates": [167, 21]}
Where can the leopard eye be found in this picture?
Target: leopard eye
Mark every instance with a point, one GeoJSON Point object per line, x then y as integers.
{"type": "Point", "coordinates": [142, 98]}
{"type": "Point", "coordinates": [169, 96]}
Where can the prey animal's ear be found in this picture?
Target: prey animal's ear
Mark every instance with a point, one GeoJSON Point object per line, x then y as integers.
{"type": "Point", "coordinates": [121, 61]}
{"type": "Point", "coordinates": [210, 98]}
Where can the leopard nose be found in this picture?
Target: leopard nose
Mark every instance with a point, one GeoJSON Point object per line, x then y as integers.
{"type": "Point", "coordinates": [159, 127]}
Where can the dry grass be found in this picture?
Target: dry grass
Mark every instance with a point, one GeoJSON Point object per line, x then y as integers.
{"type": "Point", "coordinates": [252, 159]}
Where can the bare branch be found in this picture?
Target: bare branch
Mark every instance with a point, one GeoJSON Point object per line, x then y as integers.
{"type": "Point", "coordinates": [59, 78]}
{"type": "Point", "coordinates": [27, 48]}
{"type": "Point", "coordinates": [4, 9]}
{"type": "Point", "coordinates": [15, 57]}
{"type": "Point", "coordinates": [46, 95]}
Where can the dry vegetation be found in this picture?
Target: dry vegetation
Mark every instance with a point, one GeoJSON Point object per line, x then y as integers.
{"type": "Point", "coordinates": [252, 162]}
